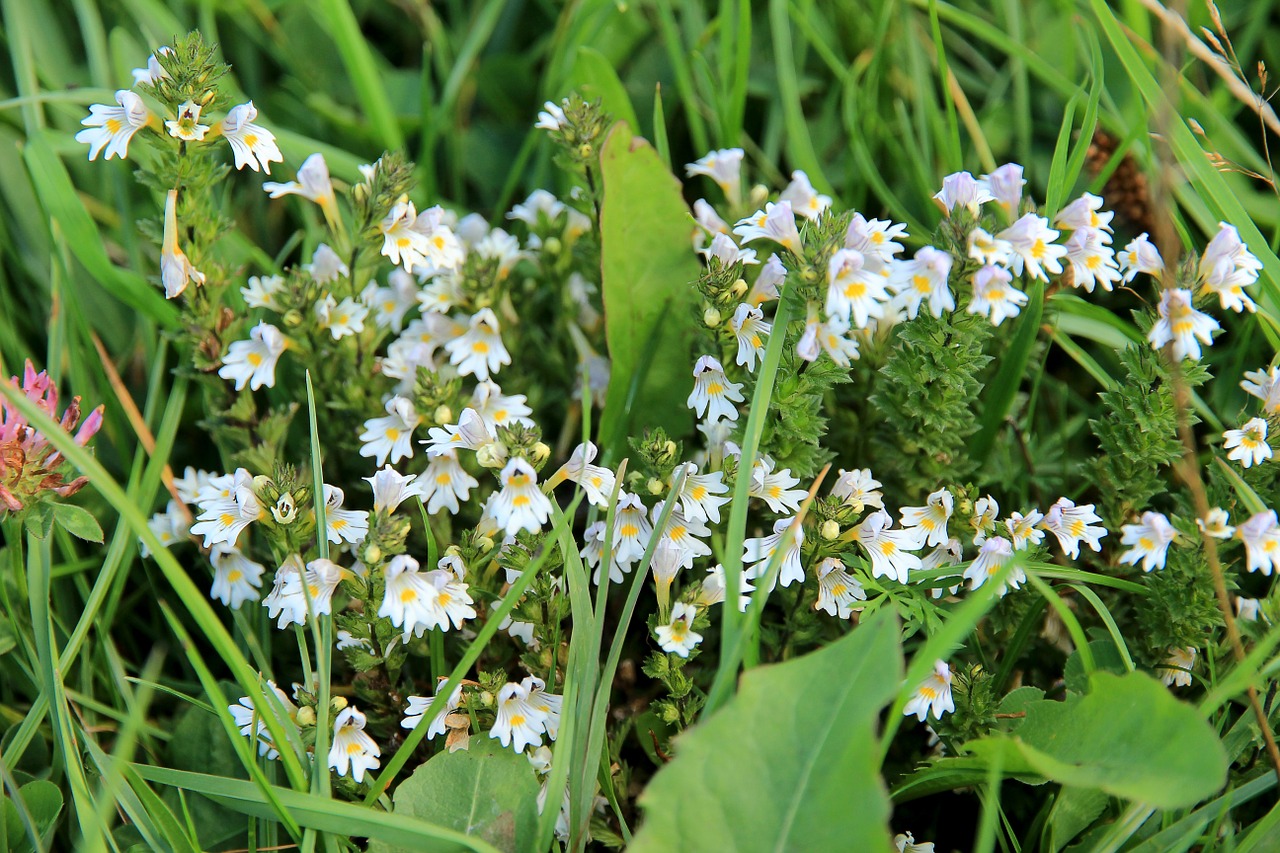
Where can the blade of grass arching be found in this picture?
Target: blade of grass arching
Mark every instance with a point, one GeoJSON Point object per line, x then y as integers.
{"type": "Point", "coordinates": [1053, 571]}
{"type": "Point", "coordinates": [1069, 619]}
{"type": "Point", "coordinates": [599, 712]}
{"type": "Point", "coordinates": [939, 646]}
{"type": "Point", "coordinates": [1089, 123]}
{"type": "Point", "coordinates": [1013, 649]}
{"type": "Point", "coordinates": [677, 55]}
{"type": "Point", "coordinates": [1203, 176]}
{"type": "Point", "coordinates": [761, 399]}
{"type": "Point", "coordinates": [472, 654]}
{"type": "Point", "coordinates": [340, 22]}
{"type": "Point", "coordinates": [203, 614]}
{"type": "Point", "coordinates": [1182, 835]}
{"type": "Point", "coordinates": [799, 145]}
{"type": "Point", "coordinates": [954, 159]}
{"type": "Point", "coordinates": [20, 38]}
{"type": "Point", "coordinates": [1242, 489]}
{"type": "Point", "coordinates": [1082, 358]}
{"type": "Point", "coordinates": [147, 812]}
{"type": "Point", "coordinates": [1002, 390]}
{"type": "Point", "coordinates": [660, 143]}
{"type": "Point", "coordinates": [1109, 621]}
{"type": "Point", "coordinates": [321, 813]}
{"type": "Point", "coordinates": [1056, 192]}
{"type": "Point", "coordinates": [243, 747]}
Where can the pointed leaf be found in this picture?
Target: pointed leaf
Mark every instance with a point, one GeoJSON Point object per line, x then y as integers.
{"type": "Point", "coordinates": [78, 522]}
{"type": "Point", "coordinates": [791, 762]}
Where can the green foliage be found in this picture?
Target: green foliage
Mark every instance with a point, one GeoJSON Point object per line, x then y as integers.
{"type": "Point", "coordinates": [926, 397]}
{"type": "Point", "coordinates": [28, 827]}
{"type": "Point", "coordinates": [1138, 434]}
{"type": "Point", "coordinates": [820, 754]}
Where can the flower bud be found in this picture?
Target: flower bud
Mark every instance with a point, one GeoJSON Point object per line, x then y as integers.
{"type": "Point", "coordinates": [492, 455]}
{"type": "Point", "coordinates": [293, 318]}
{"type": "Point", "coordinates": [585, 150]}
{"type": "Point", "coordinates": [655, 486]}
{"type": "Point", "coordinates": [739, 288]}
{"type": "Point", "coordinates": [485, 542]}
{"type": "Point", "coordinates": [552, 245]}
{"type": "Point", "coordinates": [486, 698]}
{"type": "Point", "coordinates": [306, 716]}
{"type": "Point", "coordinates": [443, 415]}
{"type": "Point", "coordinates": [285, 511]}
{"type": "Point", "coordinates": [541, 453]}
{"type": "Point", "coordinates": [337, 703]}
{"type": "Point", "coordinates": [830, 529]}
{"type": "Point", "coordinates": [372, 554]}
{"type": "Point", "coordinates": [711, 317]}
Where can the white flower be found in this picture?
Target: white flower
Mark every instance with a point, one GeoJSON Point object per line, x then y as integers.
{"type": "Point", "coordinates": [520, 505]}
{"type": "Point", "coordinates": [222, 520]}
{"type": "Point", "coordinates": [1083, 213]}
{"type": "Point", "coordinates": [906, 842]}
{"type": "Point", "coordinates": [687, 534]}
{"type": "Point", "coordinates": [828, 337]}
{"type": "Point", "coordinates": [342, 525]}
{"type": "Point", "coordinates": [1186, 327]}
{"type": "Point", "coordinates": [631, 529]}
{"type": "Point", "coordinates": [699, 494]}
{"type": "Point", "coordinates": [727, 252]}
{"type": "Point", "coordinates": [994, 555]}
{"type": "Point", "coordinates": [1005, 186]}
{"type": "Point", "coordinates": [262, 290]}
{"type": "Point", "coordinates": [772, 276]}
{"type": "Point", "coordinates": [187, 126]}
{"type": "Point", "coordinates": [713, 589]}
{"type": "Point", "coordinates": [479, 351]}
{"type": "Point", "coordinates": [725, 168]}
{"type": "Point", "coordinates": [470, 433]}
{"type": "Point", "coordinates": [960, 189]}
{"type": "Point", "coordinates": [774, 487]}
{"type": "Point", "coordinates": [176, 270]}
{"type": "Point", "coordinates": [254, 361]}
{"type": "Point", "coordinates": [252, 144]}
{"type": "Point", "coordinates": [421, 601]}
{"type": "Point", "coordinates": [353, 751]}
{"type": "Point", "coordinates": [112, 127]}
{"type": "Point", "coordinates": [708, 220]}
{"type": "Point", "coordinates": [930, 520]}
{"type": "Point", "coordinates": [391, 488]}
{"type": "Point", "coordinates": [1216, 524]}
{"type": "Point", "coordinates": [592, 554]}
{"type": "Point", "coordinates": [933, 695]}
{"type": "Point", "coordinates": [1070, 524]}
{"type": "Point", "coordinates": [547, 703]}
{"type": "Point", "coordinates": [345, 318]}
{"type": "Point", "coordinates": [326, 266]}
{"type": "Point", "coordinates": [677, 636]}
{"type": "Point", "coordinates": [1150, 540]}
{"type": "Point", "coordinates": [419, 705]}
{"type": "Point", "coordinates": [501, 247]}
{"type": "Point", "coordinates": [837, 589]}
{"type": "Point", "coordinates": [853, 291]}
{"type": "Point", "coordinates": [985, 512]}
{"type": "Point", "coordinates": [540, 203]}
{"type": "Point", "coordinates": [445, 483]}
{"type": "Point", "coordinates": [154, 71]}
{"type": "Point", "coordinates": [392, 302]}
{"type": "Point", "coordinates": [1247, 608]}
{"type": "Point", "coordinates": [552, 116]}
{"type": "Point", "coordinates": [1140, 255]}
{"type": "Point", "coordinates": [1033, 248]}
{"type": "Point", "coordinates": [400, 242]}
{"type": "Point", "coordinates": [889, 548]}
{"type": "Point", "coordinates": [776, 222]}
{"type": "Point", "coordinates": [1177, 667]}
{"type": "Point", "coordinates": [392, 435]}
{"type": "Point", "coordinates": [985, 248]}
{"type": "Point", "coordinates": [596, 481]}
{"type": "Point", "coordinates": [519, 724]}
{"type": "Point", "coordinates": [236, 578]}
{"type": "Point", "coordinates": [248, 718]}
{"type": "Point", "coordinates": [713, 394]}
{"type": "Point", "coordinates": [1249, 443]}
{"type": "Point", "coordinates": [994, 295]}
{"type": "Point", "coordinates": [924, 277]}
{"type": "Point", "coordinates": [288, 599]}
{"type": "Point", "coordinates": [875, 238]}
{"type": "Point", "coordinates": [668, 559]}
{"type": "Point", "coordinates": [1261, 538]}
{"type": "Point", "coordinates": [497, 409]}
{"type": "Point", "coordinates": [169, 527]}
{"type": "Point", "coordinates": [1023, 529]}
{"type": "Point", "coordinates": [758, 550]}
{"type": "Point", "coordinates": [1265, 385]}
{"type": "Point", "coordinates": [804, 199]}
{"type": "Point", "coordinates": [750, 330]}
{"type": "Point", "coordinates": [858, 489]}
{"type": "Point", "coordinates": [1092, 261]}
{"type": "Point", "coordinates": [313, 183]}
{"type": "Point", "coordinates": [1227, 267]}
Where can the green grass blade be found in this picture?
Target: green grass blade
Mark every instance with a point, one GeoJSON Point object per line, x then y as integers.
{"type": "Point", "coordinates": [1002, 390]}
{"type": "Point", "coordinates": [353, 47]}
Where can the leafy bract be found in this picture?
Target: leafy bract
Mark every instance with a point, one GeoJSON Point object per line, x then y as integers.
{"type": "Point", "coordinates": [1129, 737]}
{"type": "Point", "coordinates": [484, 791]}
{"type": "Point", "coordinates": [646, 264]}
{"type": "Point", "coordinates": [791, 762]}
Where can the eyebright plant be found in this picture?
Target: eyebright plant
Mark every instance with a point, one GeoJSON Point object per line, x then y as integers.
{"type": "Point", "coordinates": [830, 476]}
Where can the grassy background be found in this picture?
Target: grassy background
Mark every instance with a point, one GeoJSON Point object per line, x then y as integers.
{"type": "Point", "coordinates": [875, 100]}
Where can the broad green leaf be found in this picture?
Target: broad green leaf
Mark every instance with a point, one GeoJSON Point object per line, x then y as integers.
{"type": "Point", "coordinates": [791, 762]}
{"type": "Point", "coordinates": [647, 266]}
{"type": "Point", "coordinates": [39, 520]}
{"type": "Point", "coordinates": [594, 77]}
{"type": "Point", "coordinates": [1129, 737]}
{"type": "Point", "coordinates": [78, 522]}
{"type": "Point", "coordinates": [43, 803]}
{"type": "Point", "coordinates": [1106, 657]}
{"type": "Point", "coordinates": [484, 791]}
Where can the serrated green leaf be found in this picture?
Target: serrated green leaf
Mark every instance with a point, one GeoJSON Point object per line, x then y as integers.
{"type": "Point", "coordinates": [647, 266]}
{"type": "Point", "coordinates": [483, 791]}
{"type": "Point", "coordinates": [779, 765]}
{"type": "Point", "coordinates": [78, 522]}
